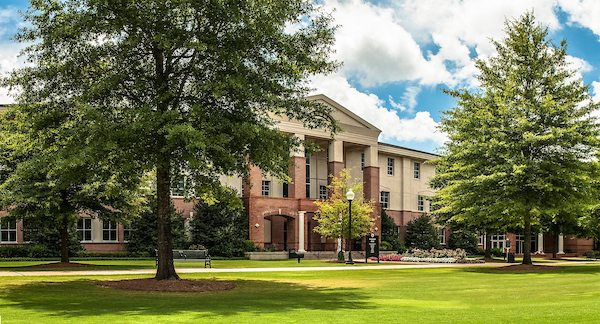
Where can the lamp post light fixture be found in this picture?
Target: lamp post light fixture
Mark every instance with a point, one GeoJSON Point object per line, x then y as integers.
{"type": "Point", "coordinates": [350, 197]}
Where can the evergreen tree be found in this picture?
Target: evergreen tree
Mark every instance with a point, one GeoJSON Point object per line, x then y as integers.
{"type": "Point", "coordinates": [462, 239]}
{"type": "Point", "coordinates": [178, 87]}
{"type": "Point", "coordinates": [143, 240]}
{"type": "Point", "coordinates": [389, 232]}
{"type": "Point", "coordinates": [221, 227]}
{"type": "Point", "coordinates": [520, 149]}
{"type": "Point", "coordinates": [421, 234]}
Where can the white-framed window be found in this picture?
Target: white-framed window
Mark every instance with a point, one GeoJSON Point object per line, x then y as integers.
{"type": "Point", "coordinates": [417, 170]}
{"type": "Point", "coordinates": [497, 241]}
{"type": "Point", "coordinates": [442, 235]}
{"type": "Point", "coordinates": [109, 231]}
{"type": "Point", "coordinates": [127, 231]}
{"type": "Point", "coordinates": [421, 203]}
{"type": "Point", "coordinates": [179, 189]}
{"type": "Point", "coordinates": [307, 156]}
{"type": "Point", "coordinates": [323, 192]}
{"type": "Point", "coordinates": [362, 161]}
{"type": "Point", "coordinates": [266, 188]}
{"type": "Point", "coordinates": [384, 199]}
{"type": "Point", "coordinates": [8, 232]}
{"type": "Point", "coordinates": [390, 166]}
{"type": "Point", "coordinates": [480, 239]}
{"type": "Point", "coordinates": [84, 229]}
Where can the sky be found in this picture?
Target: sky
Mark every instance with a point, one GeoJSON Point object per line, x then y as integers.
{"type": "Point", "coordinates": [398, 54]}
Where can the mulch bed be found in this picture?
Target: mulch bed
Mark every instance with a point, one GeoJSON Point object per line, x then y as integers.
{"type": "Point", "coordinates": [528, 267]}
{"type": "Point", "coordinates": [55, 265]}
{"type": "Point", "coordinates": [181, 285]}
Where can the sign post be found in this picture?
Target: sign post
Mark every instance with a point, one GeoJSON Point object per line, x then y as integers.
{"type": "Point", "coordinates": [372, 249]}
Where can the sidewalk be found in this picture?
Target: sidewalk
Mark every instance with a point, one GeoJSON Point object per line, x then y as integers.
{"type": "Point", "coordinates": [223, 270]}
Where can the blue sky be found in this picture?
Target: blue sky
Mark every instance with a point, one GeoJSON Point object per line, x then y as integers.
{"type": "Point", "coordinates": [397, 55]}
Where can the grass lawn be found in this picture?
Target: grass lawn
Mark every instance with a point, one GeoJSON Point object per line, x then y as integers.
{"type": "Point", "coordinates": [446, 295]}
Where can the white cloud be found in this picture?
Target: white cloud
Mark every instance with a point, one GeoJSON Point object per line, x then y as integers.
{"type": "Point", "coordinates": [370, 107]}
{"type": "Point", "coordinates": [583, 13]}
{"type": "Point", "coordinates": [595, 91]}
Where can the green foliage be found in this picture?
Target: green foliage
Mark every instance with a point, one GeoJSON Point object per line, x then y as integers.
{"type": "Point", "coordinates": [463, 240]}
{"type": "Point", "coordinates": [249, 245]}
{"type": "Point", "coordinates": [222, 227]}
{"type": "Point", "coordinates": [521, 150]}
{"type": "Point", "coordinates": [332, 214]}
{"type": "Point", "coordinates": [144, 235]}
{"type": "Point", "coordinates": [421, 234]}
{"type": "Point", "coordinates": [177, 87]}
{"type": "Point", "coordinates": [389, 232]}
{"type": "Point", "coordinates": [385, 246]}
{"type": "Point", "coordinates": [45, 232]}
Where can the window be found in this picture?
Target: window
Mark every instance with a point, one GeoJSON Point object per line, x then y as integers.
{"type": "Point", "coordinates": [8, 232]}
{"type": "Point", "coordinates": [179, 189]}
{"type": "Point", "coordinates": [286, 190]}
{"type": "Point", "coordinates": [362, 161]}
{"type": "Point", "coordinates": [109, 231]}
{"type": "Point", "coordinates": [479, 238]}
{"type": "Point", "coordinates": [323, 192]}
{"type": "Point", "coordinates": [390, 167]}
{"type": "Point", "coordinates": [127, 232]}
{"type": "Point", "coordinates": [266, 188]}
{"type": "Point", "coordinates": [497, 241]}
{"type": "Point", "coordinates": [417, 170]}
{"type": "Point", "coordinates": [443, 235]}
{"type": "Point", "coordinates": [84, 229]}
{"type": "Point", "coordinates": [384, 199]}
{"type": "Point", "coordinates": [307, 174]}
{"type": "Point", "coordinates": [421, 204]}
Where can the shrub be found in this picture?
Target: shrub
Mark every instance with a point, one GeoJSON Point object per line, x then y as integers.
{"type": "Point", "coordinates": [498, 252]}
{"type": "Point", "coordinates": [389, 232]}
{"type": "Point", "coordinates": [465, 240]}
{"type": "Point", "coordinates": [421, 234]}
{"type": "Point", "coordinates": [39, 251]}
{"type": "Point", "coordinates": [249, 246]}
{"type": "Point", "coordinates": [385, 246]}
{"type": "Point", "coordinates": [13, 251]}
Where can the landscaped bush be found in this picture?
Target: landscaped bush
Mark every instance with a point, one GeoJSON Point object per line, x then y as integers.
{"type": "Point", "coordinates": [389, 257]}
{"type": "Point", "coordinates": [250, 247]}
{"type": "Point", "coordinates": [385, 246]}
{"type": "Point", "coordinates": [13, 251]}
{"type": "Point", "coordinates": [465, 240]}
{"type": "Point", "coordinates": [421, 234]}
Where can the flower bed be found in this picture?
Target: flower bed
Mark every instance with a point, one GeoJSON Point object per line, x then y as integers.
{"type": "Point", "coordinates": [433, 256]}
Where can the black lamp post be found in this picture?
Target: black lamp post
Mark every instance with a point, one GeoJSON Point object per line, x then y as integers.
{"type": "Point", "coordinates": [350, 197]}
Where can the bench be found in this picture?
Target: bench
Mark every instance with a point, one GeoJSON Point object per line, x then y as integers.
{"type": "Point", "coordinates": [190, 255]}
{"type": "Point", "coordinates": [294, 255]}
{"type": "Point", "coordinates": [591, 255]}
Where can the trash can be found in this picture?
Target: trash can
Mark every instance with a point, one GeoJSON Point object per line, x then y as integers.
{"type": "Point", "coordinates": [511, 258]}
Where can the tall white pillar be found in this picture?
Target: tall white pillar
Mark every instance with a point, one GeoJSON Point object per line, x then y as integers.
{"type": "Point", "coordinates": [541, 243]}
{"type": "Point", "coordinates": [301, 232]}
{"type": "Point", "coordinates": [560, 244]}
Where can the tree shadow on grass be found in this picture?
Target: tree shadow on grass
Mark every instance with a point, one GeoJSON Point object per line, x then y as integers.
{"type": "Point", "coordinates": [561, 269]}
{"type": "Point", "coordinates": [80, 298]}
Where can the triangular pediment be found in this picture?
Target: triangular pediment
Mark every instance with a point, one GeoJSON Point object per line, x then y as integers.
{"type": "Point", "coordinates": [342, 115]}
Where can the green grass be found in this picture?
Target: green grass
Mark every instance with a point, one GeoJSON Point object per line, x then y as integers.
{"type": "Point", "coordinates": [444, 295]}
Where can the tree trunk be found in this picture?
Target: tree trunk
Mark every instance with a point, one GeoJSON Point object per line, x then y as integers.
{"type": "Point", "coordinates": [527, 240]}
{"type": "Point", "coordinates": [64, 241]}
{"type": "Point", "coordinates": [166, 268]}
{"type": "Point", "coordinates": [488, 244]}
{"type": "Point", "coordinates": [554, 245]}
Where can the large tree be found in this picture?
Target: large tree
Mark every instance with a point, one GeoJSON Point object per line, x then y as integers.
{"type": "Point", "coordinates": [182, 87]}
{"type": "Point", "coordinates": [520, 147]}
{"type": "Point", "coordinates": [42, 180]}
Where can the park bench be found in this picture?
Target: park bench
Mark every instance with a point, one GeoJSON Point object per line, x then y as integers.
{"type": "Point", "coordinates": [591, 255]}
{"type": "Point", "coordinates": [294, 255]}
{"type": "Point", "coordinates": [190, 255]}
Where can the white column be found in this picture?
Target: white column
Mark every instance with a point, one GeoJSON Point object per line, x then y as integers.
{"type": "Point", "coordinates": [301, 232]}
{"type": "Point", "coordinates": [541, 243]}
{"type": "Point", "coordinates": [560, 244]}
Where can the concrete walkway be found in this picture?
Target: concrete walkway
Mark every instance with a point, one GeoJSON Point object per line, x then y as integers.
{"type": "Point", "coordinates": [227, 270]}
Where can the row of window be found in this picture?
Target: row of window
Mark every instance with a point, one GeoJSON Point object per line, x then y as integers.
{"type": "Point", "coordinates": [416, 168]}
{"type": "Point", "coordinates": [8, 231]}
{"type": "Point", "coordinates": [266, 190]}
{"type": "Point", "coordinates": [384, 200]}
